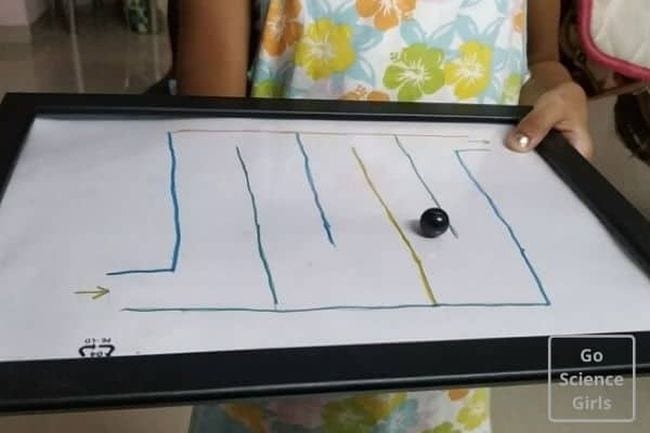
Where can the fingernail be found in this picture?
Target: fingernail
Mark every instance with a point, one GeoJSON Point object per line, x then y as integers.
{"type": "Point", "coordinates": [522, 140]}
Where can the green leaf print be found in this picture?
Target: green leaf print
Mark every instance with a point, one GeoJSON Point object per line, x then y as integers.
{"type": "Point", "coordinates": [347, 416]}
{"type": "Point", "coordinates": [511, 89]}
{"type": "Point", "coordinates": [445, 427]}
{"type": "Point", "coordinates": [267, 89]}
{"type": "Point", "coordinates": [475, 410]}
{"type": "Point", "coordinates": [416, 71]}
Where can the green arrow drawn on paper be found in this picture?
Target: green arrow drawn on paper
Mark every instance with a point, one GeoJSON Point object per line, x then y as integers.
{"type": "Point", "coordinates": [98, 293]}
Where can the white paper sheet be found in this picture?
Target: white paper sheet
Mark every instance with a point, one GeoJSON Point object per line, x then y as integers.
{"type": "Point", "coordinates": [239, 233]}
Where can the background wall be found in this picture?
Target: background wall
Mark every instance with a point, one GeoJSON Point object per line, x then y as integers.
{"type": "Point", "coordinates": [13, 13]}
{"type": "Point", "coordinates": [35, 8]}
{"type": "Point", "coordinates": [16, 17]}
{"type": "Point", "coordinates": [21, 12]}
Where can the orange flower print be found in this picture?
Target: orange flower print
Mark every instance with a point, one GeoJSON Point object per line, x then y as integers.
{"type": "Point", "coordinates": [519, 21]}
{"type": "Point", "coordinates": [363, 94]}
{"type": "Point", "coordinates": [249, 415]}
{"type": "Point", "coordinates": [386, 13]}
{"type": "Point", "coordinates": [282, 29]}
{"type": "Point", "coordinates": [457, 394]}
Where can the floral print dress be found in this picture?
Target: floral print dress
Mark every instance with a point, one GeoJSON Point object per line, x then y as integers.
{"type": "Point", "coordinates": [469, 51]}
{"type": "Point", "coordinates": [392, 50]}
{"type": "Point", "coordinates": [455, 411]}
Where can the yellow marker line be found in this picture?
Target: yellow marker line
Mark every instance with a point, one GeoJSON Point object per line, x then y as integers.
{"type": "Point", "coordinates": [332, 133]}
{"type": "Point", "coordinates": [393, 221]}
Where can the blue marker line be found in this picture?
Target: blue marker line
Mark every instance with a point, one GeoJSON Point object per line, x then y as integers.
{"type": "Point", "coordinates": [140, 271]}
{"type": "Point", "coordinates": [328, 308]}
{"type": "Point", "coordinates": [498, 214]}
{"type": "Point", "coordinates": [258, 230]}
{"type": "Point", "coordinates": [312, 186]}
{"type": "Point", "coordinates": [174, 195]}
{"type": "Point", "coordinates": [176, 216]}
{"type": "Point", "coordinates": [422, 181]}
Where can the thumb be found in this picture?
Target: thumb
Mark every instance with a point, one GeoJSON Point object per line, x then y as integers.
{"type": "Point", "coordinates": [532, 129]}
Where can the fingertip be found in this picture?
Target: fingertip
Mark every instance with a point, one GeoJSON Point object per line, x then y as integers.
{"type": "Point", "coordinates": [532, 129]}
{"type": "Point", "coordinates": [519, 141]}
{"type": "Point", "coordinates": [522, 140]}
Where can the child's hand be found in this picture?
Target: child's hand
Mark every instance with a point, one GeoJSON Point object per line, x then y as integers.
{"type": "Point", "coordinates": [563, 108]}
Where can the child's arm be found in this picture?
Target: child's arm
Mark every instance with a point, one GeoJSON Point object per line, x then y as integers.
{"type": "Point", "coordinates": [213, 47]}
{"type": "Point", "coordinates": [558, 102]}
{"type": "Point", "coordinates": [543, 50]}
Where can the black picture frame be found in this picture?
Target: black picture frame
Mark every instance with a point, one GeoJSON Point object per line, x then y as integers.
{"type": "Point", "coordinates": [197, 377]}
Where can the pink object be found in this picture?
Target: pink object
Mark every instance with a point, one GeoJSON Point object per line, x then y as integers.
{"type": "Point", "coordinates": [610, 39]}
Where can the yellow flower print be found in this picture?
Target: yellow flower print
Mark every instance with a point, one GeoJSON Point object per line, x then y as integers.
{"type": "Point", "coordinates": [386, 13]}
{"type": "Point", "coordinates": [325, 49]}
{"type": "Point", "coordinates": [470, 72]}
{"type": "Point", "coordinates": [363, 94]}
{"type": "Point", "coordinates": [476, 410]}
{"type": "Point", "coordinates": [281, 30]}
{"type": "Point", "coordinates": [249, 415]}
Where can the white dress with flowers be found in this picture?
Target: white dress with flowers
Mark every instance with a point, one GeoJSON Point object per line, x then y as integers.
{"type": "Point", "coordinates": [386, 50]}
{"type": "Point", "coordinates": [398, 50]}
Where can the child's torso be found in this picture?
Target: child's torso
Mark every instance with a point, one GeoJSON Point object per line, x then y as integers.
{"type": "Point", "coordinates": [397, 50]}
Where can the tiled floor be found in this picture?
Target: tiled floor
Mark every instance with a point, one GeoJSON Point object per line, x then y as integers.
{"type": "Point", "coordinates": [111, 59]}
